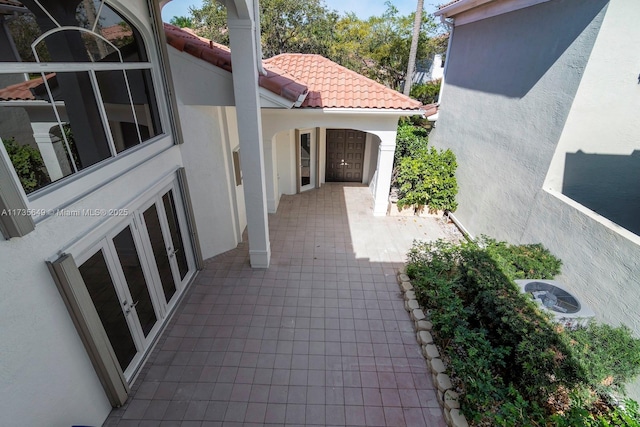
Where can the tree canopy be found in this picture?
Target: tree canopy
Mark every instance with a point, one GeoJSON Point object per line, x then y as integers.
{"type": "Point", "coordinates": [377, 47]}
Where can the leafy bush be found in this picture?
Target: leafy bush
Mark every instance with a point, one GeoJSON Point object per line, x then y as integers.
{"type": "Point", "coordinates": [513, 366]}
{"type": "Point", "coordinates": [427, 179]}
{"type": "Point", "coordinates": [625, 415]}
{"type": "Point", "coordinates": [427, 93]}
{"type": "Point", "coordinates": [409, 139]}
{"type": "Point", "coordinates": [531, 261]}
{"type": "Point", "coordinates": [27, 163]}
{"type": "Point", "coordinates": [610, 356]}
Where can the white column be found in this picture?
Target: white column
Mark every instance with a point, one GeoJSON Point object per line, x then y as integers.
{"type": "Point", "coordinates": [245, 88]}
{"type": "Point", "coordinates": [383, 172]}
{"type": "Point", "coordinates": [47, 150]}
{"type": "Point", "coordinates": [271, 169]}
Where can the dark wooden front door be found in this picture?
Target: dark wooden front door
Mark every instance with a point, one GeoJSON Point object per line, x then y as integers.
{"type": "Point", "coordinates": [345, 155]}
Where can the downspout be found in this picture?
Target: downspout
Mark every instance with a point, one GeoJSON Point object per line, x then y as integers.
{"type": "Point", "coordinates": [450, 25]}
{"type": "Point", "coordinates": [256, 26]}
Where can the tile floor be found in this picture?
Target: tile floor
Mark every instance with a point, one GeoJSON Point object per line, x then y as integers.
{"type": "Point", "coordinates": [320, 338]}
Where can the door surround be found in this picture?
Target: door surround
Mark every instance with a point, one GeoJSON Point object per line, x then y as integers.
{"type": "Point", "coordinates": [100, 239]}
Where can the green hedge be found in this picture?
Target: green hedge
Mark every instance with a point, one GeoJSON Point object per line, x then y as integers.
{"type": "Point", "coordinates": [427, 180]}
{"type": "Point", "coordinates": [425, 177]}
{"type": "Point", "coordinates": [513, 366]}
{"type": "Point", "coordinates": [27, 163]}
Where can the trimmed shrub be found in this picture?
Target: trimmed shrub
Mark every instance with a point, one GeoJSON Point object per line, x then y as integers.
{"type": "Point", "coordinates": [409, 139]}
{"type": "Point", "coordinates": [427, 93]}
{"type": "Point", "coordinates": [512, 365]}
{"type": "Point", "coordinates": [610, 356]}
{"type": "Point", "coordinates": [427, 179]}
{"type": "Point", "coordinates": [27, 163]}
{"type": "Point", "coordinates": [531, 261]}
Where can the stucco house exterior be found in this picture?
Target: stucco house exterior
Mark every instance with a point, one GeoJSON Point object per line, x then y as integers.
{"type": "Point", "coordinates": [157, 150]}
{"type": "Point", "coordinates": [429, 70]}
{"type": "Point", "coordinates": [540, 103]}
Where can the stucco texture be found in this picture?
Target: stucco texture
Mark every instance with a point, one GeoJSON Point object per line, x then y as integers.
{"type": "Point", "coordinates": [512, 82]}
{"type": "Point", "coordinates": [509, 87]}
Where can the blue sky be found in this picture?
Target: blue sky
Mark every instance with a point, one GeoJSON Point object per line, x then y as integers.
{"type": "Point", "coordinates": [362, 8]}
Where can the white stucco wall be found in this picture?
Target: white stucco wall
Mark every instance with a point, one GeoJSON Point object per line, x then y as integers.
{"type": "Point", "coordinates": [381, 125]}
{"type": "Point", "coordinates": [286, 158]}
{"type": "Point", "coordinates": [371, 157]}
{"type": "Point", "coordinates": [601, 260]}
{"type": "Point", "coordinates": [210, 136]}
{"type": "Point", "coordinates": [200, 82]}
{"type": "Point", "coordinates": [207, 154]}
{"type": "Point", "coordinates": [234, 145]}
{"type": "Point", "coordinates": [46, 377]}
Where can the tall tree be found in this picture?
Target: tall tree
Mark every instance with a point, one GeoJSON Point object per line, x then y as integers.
{"type": "Point", "coordinates": [181, 21]}
{"type": "Point", "coordinates": [379, 47]}
{"type": "Point", "coordinates": [414, 47]}
{"type": "Point", "coordinates": [210, 21]}
{"type": "Point", "coordinates": [301, 26]}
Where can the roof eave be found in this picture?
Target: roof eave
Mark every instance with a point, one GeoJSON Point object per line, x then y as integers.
{"type": "Point", "coordinates": [6, 9]}
{"type": "Point", "coordinates": [459, 7]}
{"type": "Point", "coordinates": [380, 111]}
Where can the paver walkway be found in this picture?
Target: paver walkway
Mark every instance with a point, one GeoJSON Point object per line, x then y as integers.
{"type": "Point", "coordinates": [320, 338]}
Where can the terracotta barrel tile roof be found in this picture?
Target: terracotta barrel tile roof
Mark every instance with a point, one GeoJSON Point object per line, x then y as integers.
{"type": "Point", "coordinates": [429, 109]}
{"type": "Point", "coordinates": [334, 86]}
{"type": "Point", "coordinates": [276, 80]}
{"type": "Point", "coordinates": [11, 3]}
{"type": "Point", "coordinates": [22, 91]}
{"type": "Point", "coordinates": [115, 32]}
{"type": "Point", "coordinates": [290, 75]}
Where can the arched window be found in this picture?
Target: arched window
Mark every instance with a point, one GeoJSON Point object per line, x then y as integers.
{"type": "Point", "coordinates": [75, 87]}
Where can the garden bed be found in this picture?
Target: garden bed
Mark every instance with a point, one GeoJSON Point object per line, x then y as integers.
{"type": "Point", "coordinates": [495, 349]}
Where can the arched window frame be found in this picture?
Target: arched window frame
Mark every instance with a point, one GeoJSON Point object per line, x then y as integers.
{"type": "Point", "coordinates": [151, 65]}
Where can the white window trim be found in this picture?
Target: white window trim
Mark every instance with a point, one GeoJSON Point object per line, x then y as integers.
{"type": "Point", "coordinates": [69, 189]}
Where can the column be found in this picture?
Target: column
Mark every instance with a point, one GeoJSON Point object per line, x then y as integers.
{"type": "Point", "coordinates": [383, 172]}
{"type": "Point", "coordinates": [245, 87]}
{"type": "Point", "coordinates": [57, 165]}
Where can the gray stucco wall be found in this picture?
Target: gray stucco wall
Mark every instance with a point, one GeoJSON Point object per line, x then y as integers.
{"type": "Point", "coordinates": [606, 184]}
{"type": "Point", "coordinates": [510, 85]}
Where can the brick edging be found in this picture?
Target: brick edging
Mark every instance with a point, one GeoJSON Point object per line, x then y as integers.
{"type": "Point", "coordinates": [447, 396]}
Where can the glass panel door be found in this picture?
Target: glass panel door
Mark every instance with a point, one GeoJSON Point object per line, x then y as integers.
{"type": "Point", "coordinates": [307, 161]}
{"type": "Point", "coordinates": [176, 234]}
{"type": "Point", "coordinates": [108, 303]}
{"type": "Point", "coordinates": [166, 229]}
{"type": "Point", "coordinates": [133, 272]}
{"type": "Point", "coordinates": [160, 251]}
{"type": "Point", "coordinates": [121, 287]}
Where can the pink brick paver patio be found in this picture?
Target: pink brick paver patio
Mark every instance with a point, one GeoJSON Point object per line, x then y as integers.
{"type": "Point", "coordinates": [319, 338]}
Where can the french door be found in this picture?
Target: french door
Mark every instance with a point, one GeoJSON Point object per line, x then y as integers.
{"type": "Point", "coordinates": [136, 272]}
{"type": "Point", "coordinates": [306, 153]}
{"type": "Point", "coordinates": [345, 155]}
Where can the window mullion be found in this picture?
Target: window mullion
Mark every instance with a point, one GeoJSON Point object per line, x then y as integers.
{"type": "Point", "coordinates": [133, 107]}
{"type": "Point", "coordinates": [103, 113]}
{"type": "Point", "coordinates": [61, 67]}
